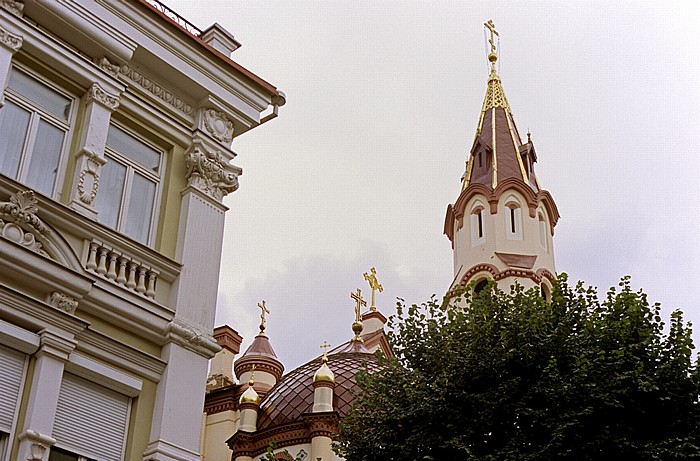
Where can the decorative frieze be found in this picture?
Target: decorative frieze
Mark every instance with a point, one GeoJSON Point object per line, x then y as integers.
{"type": "Point", "coordinates": [108, 66]}
{"type": "Point", "coordinates": [218, 125]}
{"type": "Point", "coordinates": [99, 95]}
{"type": "Point", "coordinates": [11, 41]}
{"type": "Point", "coordinates": [13, 6]}
{"type": "Point", "coordinates": [121, 269]}
{"type": "Point", "coordinates": [63, 302]}
{"type": "Point", "coordinates": [19, 222]}
{"type": "Point", "coordinates": [209, 172]}
{"type": "Point", "coordinates": [155, 89]}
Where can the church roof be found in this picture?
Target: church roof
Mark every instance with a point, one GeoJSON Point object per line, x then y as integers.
{"type": "Point", "coordinates": [498, 153]}
{"type": "Point", "coordinates": [260, 354]}
{"type": "Point", "coordinates": [294, 394]}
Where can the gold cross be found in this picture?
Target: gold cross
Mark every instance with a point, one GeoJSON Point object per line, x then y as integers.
{"type": "Point", "coordinates": [251, 380]}
{"type": "Point", "coordinates": [264, 310]}
{"type": "Point", "coordinates": [489, 25]}
{"type": "Point", "coordinates": [360, 302]}
{"type": "Point", "coordinates": [374, 285]}
{"type": "Point", "coordinates": [325, 346]}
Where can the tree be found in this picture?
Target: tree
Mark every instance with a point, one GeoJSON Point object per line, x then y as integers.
{"type": "Point", "coordinates": [512, 376]}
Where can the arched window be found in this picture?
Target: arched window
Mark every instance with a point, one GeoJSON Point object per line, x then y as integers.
{"type": "Point", "coordinates": [543, 231]}
{"type": "Point", "coordinates": [546, 292]}
{"type": "Point", "coordinates": [513, 219]}
{"type": "Point", "coordinates": [478, 225]}
{"type": "Point", "coordinates": [480, 285]}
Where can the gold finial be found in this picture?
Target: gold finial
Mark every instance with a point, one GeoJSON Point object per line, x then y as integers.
{"type": "Point", "coordinates": [251, 380]}
{"type": "Point", "coordinates": [493, 57]}
{"type": "Point", "coordinates": [357, 324]}
{"type": "Point", "coordinates": [325, 346]}
{"type": "Point", "coordinates": [374, 285]}
{"type": "Point", "coordinates": [264, 310]}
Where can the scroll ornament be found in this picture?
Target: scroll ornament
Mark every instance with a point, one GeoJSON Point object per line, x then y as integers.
{"type": "Point", "coordinates": [19, 221]}
{"type": "Point", "coordinates": [208, 172]}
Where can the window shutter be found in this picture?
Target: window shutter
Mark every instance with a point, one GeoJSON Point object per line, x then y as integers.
{"type": "Point", "coordinates": [11, 373]}
{"type": "Point", "coordinates": [91, 420]}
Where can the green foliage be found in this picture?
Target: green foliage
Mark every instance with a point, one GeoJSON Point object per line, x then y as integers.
{"type": "Point", "coordinates": [512, 376]}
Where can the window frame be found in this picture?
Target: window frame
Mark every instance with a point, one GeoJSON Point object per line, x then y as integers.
{"type": "Point", "coordinates": [477, 219]}
{"type": "Point", "coordinates": [132, 167]}
{"type": "Point", "coordinates": [38, 113]}
{"type": "Point", "coordinates": [513, 218]}
{"type": "Point", "coordinates": [542, 229]}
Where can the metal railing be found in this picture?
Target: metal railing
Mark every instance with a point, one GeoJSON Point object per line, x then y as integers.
{"type": "Point", "coordinates": [182, 22]}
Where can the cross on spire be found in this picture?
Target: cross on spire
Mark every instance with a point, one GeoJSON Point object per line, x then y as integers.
{"type": "Point", "coordinates": [325, 346]}
{"type": "Point", "coordinates": [374, 285]}
{"type": "Point", "coordinates": [360, 302]}
{"type": "Point", "coordinates": [264, 310]}
{"type": "Point", "coordinates": [493, 57]}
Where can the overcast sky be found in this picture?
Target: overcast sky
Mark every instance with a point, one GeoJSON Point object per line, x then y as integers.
{"type": "Point", "coordinates": [383, 99]}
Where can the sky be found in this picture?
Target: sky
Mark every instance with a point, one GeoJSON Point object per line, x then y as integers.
{"type": "Point", "coordinates": [383, 99]}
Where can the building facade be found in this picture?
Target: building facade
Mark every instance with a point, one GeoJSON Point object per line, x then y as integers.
{"type": "Point", "coordinates": [117, 121]}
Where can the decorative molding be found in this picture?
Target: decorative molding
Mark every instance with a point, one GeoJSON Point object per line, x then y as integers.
{"type": "Point", "coordinates": [19, 222]}
{"type": "Point", "coordinates": [209, 172]}
{"type": "Point", "coordinates": [11, 41]}
{"type": "Point", "coordinates": [39, 443]}
{"type": "Point", "coordinates": [157, 90]}
{"type": "Point", "coordinates": [98, 94]}
{"type": "Point", "coordinates": [89, 179]}
{"type": "Point", "coordinates": [218, 125]}
{"type": "Point", "coordinates": [63, 302]}
{"type": "Point", "coordinates": [191, 337]}
{"type": "Point", "coordinates": [108, 66]}
{"type": "Point", "coordinates": [13, 6]}
{"type": "Point", "coordinates": [535, 276]}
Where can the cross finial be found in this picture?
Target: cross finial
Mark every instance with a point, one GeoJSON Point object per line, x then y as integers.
{"type": "Point", "coordinates": [251, 381]}
{"type": "Point", "coordinates": [357, 296]}
{"type": "Point", "coordinates": [264, 310]}
{"type": "Point", "coordinates": [325, 346]}
{"type": "Point", "coordinates": [493, 57]}
{"type": "Point", "coordinates": [374, 285]}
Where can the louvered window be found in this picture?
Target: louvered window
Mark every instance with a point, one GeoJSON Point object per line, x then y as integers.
{"type": "Point", "coordinates": [91, 420]}
{"type": "Point", "coordinates": [11, 375]}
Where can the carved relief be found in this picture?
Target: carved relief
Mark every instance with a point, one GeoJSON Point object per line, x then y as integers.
{"type": "Point", "coordinates": [11, 41]}
{"type": "Point", "coordinates": [89, 179]}
{"type": "Point", "coordinates": [97, 94]}
{"type": "Point", "coordinates": [218, 125]}
{"type": "Point", "coordinates": [155, 89]}
{"type": "Point", "coordinates": [108, 66]}
{"type": "Point", "coordinates": [13, 6]}
{"type": "Point", "coordinates": [37, 451]}
{"type": "Point", "coordinates": [63, 302]}
{"type": "Point", "coordinates": [191, 337]}
{"type": "Point", "coordinates": [208, 172]}
{"type": "Point", "coordinates": [19, 222]}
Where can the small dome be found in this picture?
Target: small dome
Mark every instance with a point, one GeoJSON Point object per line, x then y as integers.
{"type": "Point", "coordinates": [250, 396]}
{"type": "Point", "coordinates": [324, 374]}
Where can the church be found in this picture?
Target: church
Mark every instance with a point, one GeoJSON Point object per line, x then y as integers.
{"type": "Point", "coordinates": [501, 228]}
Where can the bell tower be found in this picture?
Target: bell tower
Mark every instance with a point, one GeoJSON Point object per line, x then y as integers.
{"type": "Point", "coordinates": [501, 225]}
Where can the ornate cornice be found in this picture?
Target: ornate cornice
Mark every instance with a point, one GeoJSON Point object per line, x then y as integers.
{"type": "Point", "coordinates": [209, 173]}
{"type": "Point", "coordinates": [98, 94]}
{"type": "Point", "coordinates": [108, 66]}
{"type": "Point", "coordinates": [190, 337]}
{"type": "Point", "coordinates": [13, 6]}
{"type": "Point", "coordinates": [261, 363]}
{"type": "Point", "coordinates": [156, 90]}
{"type": "Point", "coordinates": [11, 41]}
{"type": "Point", "coordinates": [63, 302]}
{"type": "Point", "coordinates": [218, 125]}
{"type": "Point", "coordinates": [19, 222]}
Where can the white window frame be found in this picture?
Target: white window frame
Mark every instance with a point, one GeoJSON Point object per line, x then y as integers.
{"type": "Point", "coordinates": [513, 218]}
{"type": "Point", "coordinates": [39, 113]}
{"type": "Point", "coordinates": [477, 218]}
{"type": "Point", "coordinates": [132, 166]}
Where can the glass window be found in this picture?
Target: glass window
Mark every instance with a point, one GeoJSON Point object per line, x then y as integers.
{"type": "Point", "coordinates": [34, 125]}
{"type": "Point", "coordinates": [478, 225]}
{"type": "Point", "coordinates": [129, 185]}
{"type": "Point", "coordinates": [513, 219]}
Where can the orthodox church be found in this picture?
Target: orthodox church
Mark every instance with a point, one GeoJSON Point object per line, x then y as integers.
{"type": "Point", "coordinates": [507, 238]}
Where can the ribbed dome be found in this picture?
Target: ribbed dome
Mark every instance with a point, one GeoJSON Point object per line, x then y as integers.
{"type": "Point", "coordinates": [294, 394]}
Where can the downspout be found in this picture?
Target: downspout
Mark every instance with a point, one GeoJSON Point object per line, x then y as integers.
{"type": "Point", "coordinates": [278, 101]}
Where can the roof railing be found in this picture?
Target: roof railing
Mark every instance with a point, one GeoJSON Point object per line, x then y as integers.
{"type": "Point", "coordinates": [179, 20]}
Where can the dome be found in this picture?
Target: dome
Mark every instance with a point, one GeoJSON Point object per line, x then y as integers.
{"type": "Point", "coordinates": [324, 374]}
{"type": "Point", "coordinates": [250, 396]}
{"type": "Point", "coordinates": [294, 394]}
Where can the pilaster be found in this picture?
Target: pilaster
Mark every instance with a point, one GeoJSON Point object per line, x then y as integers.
{"type": "Point", "coordinates": [9, 45]}
{"type": "Point", "coordinates": [99, 105]}
{"type": "Point", "coordinates": [51, 358]}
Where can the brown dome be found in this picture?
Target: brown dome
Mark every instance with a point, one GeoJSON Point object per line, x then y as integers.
{"type": "Point", "coordinates": [294, 394]}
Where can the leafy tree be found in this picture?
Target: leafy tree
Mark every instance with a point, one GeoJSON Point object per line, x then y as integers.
{"type": "Point", "coordinates": [512, 376]}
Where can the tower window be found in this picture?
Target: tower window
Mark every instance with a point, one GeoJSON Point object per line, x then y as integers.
{"type": "Point", "coordinates": [480, 285]}
{"type": "Point", "coordinates": [543, 231]}
{"type": "Point", "coordinates": [480, 164]}
{"type": "Point", "coordinates": [513, 219]}
{"type": "Point", "coordinates": [478, 225]}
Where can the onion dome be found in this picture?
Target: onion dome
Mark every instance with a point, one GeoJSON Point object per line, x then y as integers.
{"type": "Point", "coordinates": [324, 374]}
{"type": "Point", "coordinates": [250, 396]}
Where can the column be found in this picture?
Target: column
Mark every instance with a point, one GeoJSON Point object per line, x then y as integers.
{"type": "Point", "coordinates": [35, 438]}
{"type": "Point", "coordinates": [9, 45]}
